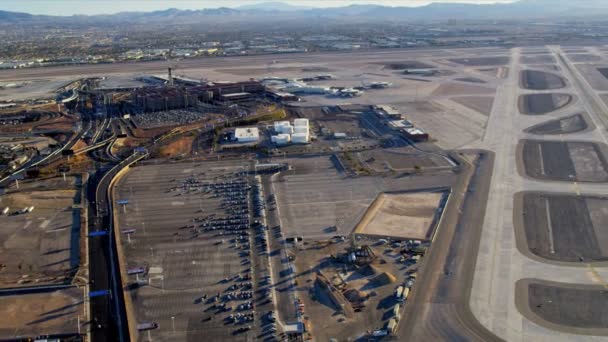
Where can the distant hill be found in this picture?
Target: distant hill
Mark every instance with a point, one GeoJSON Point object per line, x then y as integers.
{"type": "Point", "coordinates": [267, 12]}
{"type": "Point", "coordinates": [274, 6]}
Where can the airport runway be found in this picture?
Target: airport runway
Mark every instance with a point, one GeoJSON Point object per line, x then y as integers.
{"type": "Point", "coordinates": [499, 263]}
{"type": "Point", "coordinates": [276, 60]}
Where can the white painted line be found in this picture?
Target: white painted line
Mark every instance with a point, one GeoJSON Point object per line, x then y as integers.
{"type": "Point", "coordinates": [540, 156]}
{"type": "Point", "coordinates": [549, 226]}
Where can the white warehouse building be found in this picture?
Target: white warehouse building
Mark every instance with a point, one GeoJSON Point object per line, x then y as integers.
{"type": "Point", "coordinates": [247, 134]}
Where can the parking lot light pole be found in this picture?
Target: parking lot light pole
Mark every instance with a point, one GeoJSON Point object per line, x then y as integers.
{"type": "Point", "coordinates": [173, 323]}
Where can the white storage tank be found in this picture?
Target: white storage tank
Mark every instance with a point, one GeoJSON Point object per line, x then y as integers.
{"type": "Point", "coordinates": [300, 122]}
{"type": "Point", "coordinates": [282, 126]}
{"type": "Point", "coordinates": [299, 138]}
{"type": "Point", "coordinates": [288, 129]}
{"type": "Point", "coordinates": [282, 139]}
{"type": "Point", "coordinates": [300, 129]}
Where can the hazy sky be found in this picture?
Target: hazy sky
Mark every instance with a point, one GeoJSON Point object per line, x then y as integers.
{"type": "Point", "coordinates": [69, 7]}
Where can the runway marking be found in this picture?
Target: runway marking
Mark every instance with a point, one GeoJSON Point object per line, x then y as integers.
{"type": "Point", "coordinates": [549, 226]}
{"type": "Point", "coordinates": [542, 162]}
{"type": "Point", "coordinates": [597, 276]}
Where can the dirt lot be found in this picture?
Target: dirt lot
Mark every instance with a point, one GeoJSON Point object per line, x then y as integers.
{"type": "Point", "coordinates": [540, 80]}
{"type": "Point", "coordinates": [539, 104]}
{"type": "Point", "coordinates": [402, 215]}
{"type": "Point", "coordinates": [181, 146]}
{"type": "Point", "coordinates": [481, 61]}
{"type": "Point", "coordinates": [343, 124]}
{"type": "Point", "coordinates": [561, 161]}
{"type": "Point", "coordinates": [404, 159]}
{"type": "Point", "coordinates": [40, 247]}
{"type": "Point", "coordinates": [480, 104]}
{"type": "Point", "coordinates": [538, 59]}
{"type": "Point", "coordinates": [315, 196]}
{"type": "Point", "coordinates": [571, 308]}
{"type": "Point", "coordinates": [365, 292]}
{"type": "Point", "coordinates": [34, 314]}
{"type": "Point", "coordinates": [569, 124]}
{"type": "Point", "coordinates": [562, 227]}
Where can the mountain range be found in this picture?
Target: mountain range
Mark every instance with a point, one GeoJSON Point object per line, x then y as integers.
{"type": "Point", "coordinates": [523, 9]}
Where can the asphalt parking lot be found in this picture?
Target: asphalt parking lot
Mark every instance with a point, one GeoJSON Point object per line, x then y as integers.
{"type": "Point", "coordinates": [192, 240]}
{"type": "Point", "coordinates": [169, 118]}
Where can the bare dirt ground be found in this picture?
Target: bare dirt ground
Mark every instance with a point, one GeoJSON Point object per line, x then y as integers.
{"type": "Point", "coordinates": [41, 247]}
{"type": "Point", "coordinates": [539, 104]}
{"type": "Point", "coordinates": [480, 104]}
{"type": "Point", "coordinates": [356, 288]}
{"type": "Point", "coordinates": [449, 89]}
{"type": "Point", "coordinates": [404, 159]}
{"type": "Point", "coordinates": [178, 147]}
{"type": "Point", "coordinates": [315, 196]}
{"type": "Point", "coordinates": [54, 312]}
{"type": "Point", "coordinates": [401, 216]}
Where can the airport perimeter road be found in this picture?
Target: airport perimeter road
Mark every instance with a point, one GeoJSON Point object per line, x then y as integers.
{"type": "Point", "coordinates": [107, 311]}
{"type": "Point", "coordinates": [439, 307]}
